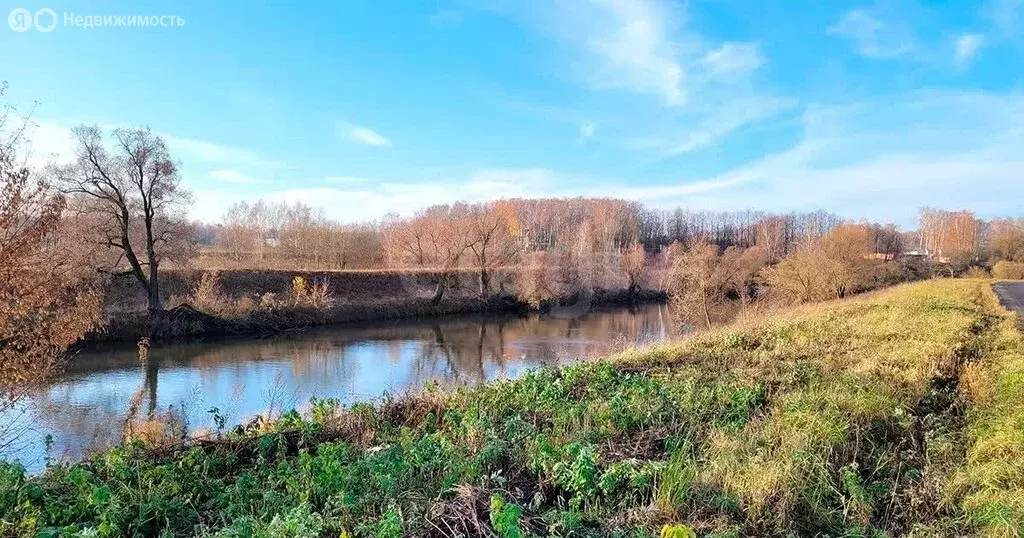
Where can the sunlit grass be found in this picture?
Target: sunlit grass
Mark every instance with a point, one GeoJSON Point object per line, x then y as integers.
{"type": "Point", "coordinates": [898, 412]}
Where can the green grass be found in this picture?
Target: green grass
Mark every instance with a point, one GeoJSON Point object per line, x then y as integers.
{"type": "Point", "coordinates": [896, 413]}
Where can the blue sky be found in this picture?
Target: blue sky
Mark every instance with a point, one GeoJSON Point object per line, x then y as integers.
{"type": "Point", "coordinates": [869, 109]}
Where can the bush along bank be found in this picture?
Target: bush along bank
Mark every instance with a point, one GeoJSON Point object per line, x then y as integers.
{"type": "Point", "coordinates": [882, 415]}
{"type": "Point", "coordinates": [188, 321]}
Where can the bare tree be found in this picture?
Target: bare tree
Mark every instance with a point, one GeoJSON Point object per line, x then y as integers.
{"type": "Point", "coordinates": [136, 190]}
{"type": "Point", "coordinates": [771, 235]}
{"type": "Point", "coordinates": [704, 278]}
{"type": "Point", "coordinates": [1006, 239]}
{"type": "Point", "coordinates": [801, 277]}
{"type": "Point", "coordinates": [634, 264]}
{"type": "Point", "coordinates": [447, 240]}
{"type": "Point", "coordinates": [493, 240]}
{"type": "Point", "coordinates": [888, 240]}
{"type": "Point", "coordinates": [436, 239]}
{"type": "Point", "coordinates": [831, 269]}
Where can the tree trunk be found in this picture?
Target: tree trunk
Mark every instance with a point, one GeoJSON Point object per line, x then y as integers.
{"type": "Point", "coordinates": [439, 290]}
{"type": "Point", "coordinates": [156, 305]}
{"type": "Point", "coordinates": [485, 284]}
{"type": "Point", "coordinates": [704, 306]}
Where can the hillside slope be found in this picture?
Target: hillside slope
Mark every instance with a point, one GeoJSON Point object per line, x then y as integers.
{"type": "Point", "coordinates": [894, 413]}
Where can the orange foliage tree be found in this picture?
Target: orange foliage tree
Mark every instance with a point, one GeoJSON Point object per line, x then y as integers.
{"type": "Point", "coordinates": [46, 300]}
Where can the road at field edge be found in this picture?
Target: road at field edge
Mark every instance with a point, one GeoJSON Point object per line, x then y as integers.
{"type": "Point", "coordinates": [1011, 294]}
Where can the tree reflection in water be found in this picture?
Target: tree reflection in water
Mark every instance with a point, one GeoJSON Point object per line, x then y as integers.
{"type": "Point", "coordinates": [85, 408]}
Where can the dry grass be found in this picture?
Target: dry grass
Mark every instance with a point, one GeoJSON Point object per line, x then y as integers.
{"type": "Point", "coordinates": [991, 483]}
{"type": "Point", "coordinates": [898, 413]}
{"type": "Point", "coordinates": [876, 367]}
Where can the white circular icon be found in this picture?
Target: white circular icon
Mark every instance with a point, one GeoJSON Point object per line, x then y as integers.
{"type": "Point", "coordinates": [20, 19]}
{"type": "Point", "coordinates": [45, 20]}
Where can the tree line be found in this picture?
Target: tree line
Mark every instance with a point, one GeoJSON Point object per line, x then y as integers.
{"type": "Point", "coordinates": [118, 206]}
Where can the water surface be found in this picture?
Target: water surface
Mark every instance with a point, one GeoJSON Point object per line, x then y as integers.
{"type": "Point", "coordinates": [85, 409]}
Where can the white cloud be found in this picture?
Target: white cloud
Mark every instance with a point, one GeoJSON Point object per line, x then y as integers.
{"type": "Point", "coordinates": [647, 48]}
{"type": "Point", "coordinates": [346, 180]}
{"type": "Point", "coordinates": [875, 35]}
{"type": "Point", "coordinates": [884, 158]}
{"type": "Point", "coordinates": [716, 123]}
{"type": "Point", "coordinates": [372, 201]}
{"type": "Point", "coordinates": [232, 176]}
{"type": "Point", "coordinates": [881, 158]}
{"type": "Point", "coordinates": [364, 135]}
{"type": "Point", "coordinates": [965, 48]}
{"type": "Point", "coordinates": [587, 129]}
{"type": "Point", "coordinates": [628, 45]}
{"type": "Point", "coordinates": [733, 59]}
{"type": "Point", "coordinates": [636, 51]}
{"type": "Point", "coordinates": [191, 149]}
{"type": "Point", "coordinates": [49, 142]}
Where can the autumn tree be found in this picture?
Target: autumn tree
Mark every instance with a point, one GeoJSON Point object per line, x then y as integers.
{"type": "Point", "coordinates": [134, 190]}
{"type": "Point", "coordinates": [705, 278]}
{"type": "Point", "coordinates": [47, 301]}
{"type": "Point", "coordinates": [887, 240]}
{"type": "Point", "coordinates": [831, 269]}
{"type": "Point", "coordinates": [634, 264]}
{"type": "Point", "coordinates": [436, 239]}
{"type": "Point", "coordinates": [1006, 239]}
{"type": "Point", "coordinates": [950, 233]}
{"type": "Point", "coordinates": [845, 249]}
{"type": "Point", "coordinates": [801, 277]}
{"type": "Point", "coordinates": [493, 239]}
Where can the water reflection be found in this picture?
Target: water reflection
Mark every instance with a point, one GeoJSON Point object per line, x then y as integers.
{"type": "Point", "coordinates": [86, 407]}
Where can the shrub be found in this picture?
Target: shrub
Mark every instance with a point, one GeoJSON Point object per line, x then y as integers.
{"type": "Point", "coordinates": [976, 272]}
{"type": "Point", "coordinates": [1008, 270]}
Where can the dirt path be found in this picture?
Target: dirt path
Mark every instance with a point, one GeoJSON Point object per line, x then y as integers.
{"type": "Point", "coordinates": [1011, 294]}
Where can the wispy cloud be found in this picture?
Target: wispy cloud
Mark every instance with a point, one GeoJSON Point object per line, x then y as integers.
{"type": "Point", "coordinates": [883, 158]}
{"type": "Point", "coordinates": [232, 176]}
{"type": "Point", "coordinates": [627, 45]}
{"type": "Point", "coordinates": [879, 158]}
{"type": "Point", "coordinates": [875, 34]}
{"type": "Point", "coordinates": [52, 140]}
{"type": "Point", "coordinates": [725, 120]}
{"type": "Point", "coordinates": [636, 50]}
{"type": "Point", "coordinates": [49, 142]}
{"type": "Point", "coordinates": [733, 59]}
{"type": "Point", "coordinates": [715, 123]}
{"type": "Point", "coordinates": [648, 48]}
{"type": "Point", "coordinates": [364, 135]}
{"type": "Point", "coordinates": [345, 180]}
{"type": "Point", "coordinates": [587, 129]}
{"type": "Point", "coordinates": [214, 153]}
{"type": "Point", "coordinates": [966, 47]}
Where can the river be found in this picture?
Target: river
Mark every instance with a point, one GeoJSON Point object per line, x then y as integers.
{"type": "Point", "coordinates": [85, 408]}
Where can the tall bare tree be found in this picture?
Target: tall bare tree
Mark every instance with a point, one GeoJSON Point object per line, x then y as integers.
{"type": "Point", "coordinates": [493, 239]}
{"type": "Point", "coordinates": [135, 189]}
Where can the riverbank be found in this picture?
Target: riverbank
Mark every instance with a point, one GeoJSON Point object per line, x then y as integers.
{"type": "Point", "coordinates": [889, 413]}
{"type": "Point", "coordinates": [254, 304]}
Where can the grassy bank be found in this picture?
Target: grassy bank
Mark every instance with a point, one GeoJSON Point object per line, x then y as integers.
{"type": "Point", "coordinates": [894, 413]}
{"type": "Point", "coordinates": [259, 303]}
